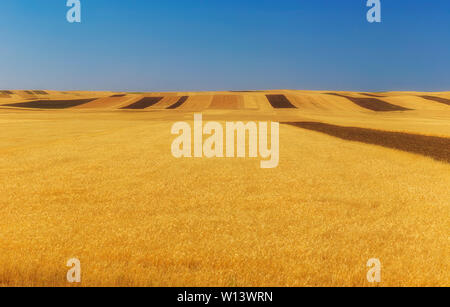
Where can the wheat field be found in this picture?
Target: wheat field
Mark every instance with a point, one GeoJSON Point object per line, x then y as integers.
{"type": "Point", "coordinates": [90, 175]}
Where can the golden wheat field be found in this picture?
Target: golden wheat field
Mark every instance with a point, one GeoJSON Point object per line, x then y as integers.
{"type": "Point", "coordinates": [90, 175]}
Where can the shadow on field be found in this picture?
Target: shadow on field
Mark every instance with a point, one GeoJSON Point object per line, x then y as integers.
{"type": "Point", "coordinates": [437, 99]}
{"type": "Point", "coordinates": [372, 104]}
{"type": "Point", "coordinates": [50, 104]}
{"type": "Point", "coordinates": [435, 147]}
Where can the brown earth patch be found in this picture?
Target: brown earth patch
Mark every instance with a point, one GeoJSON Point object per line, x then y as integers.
{"type": "Point", "coordinates": [143, 103]}
{"type": "Point", "coordinates": [372, 104]}
{"type": "Point", "coordinates": [179, 103]}
{"type": "Point", "coordinates": [372, 95]}
{"type": "Point", "coordinates": [166, 102]}
{"type": "Point", "coordinates": [435, 147]}
{"type": "Point", "coordinates": [39, 92]}
{"type": "Point", "coordinates": [245, 91]}
{"type": "Point", "coordinates": [197, 103]}
{"type": "Point", "coordinates": [104, 103]}
{"type": "Point", "coordinates": [280, 102]}
{"type": "Point", "coordinates": [437, 99]}
{"type": "Point", "coordinates": [50, 104]}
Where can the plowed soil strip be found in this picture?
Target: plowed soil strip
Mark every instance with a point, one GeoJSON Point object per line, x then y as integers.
{"type": "Point", "coordinates": [431, 146]}
{"type": "Point", "coordinates": [118, 95]}
{"type": "Point", "coordinates": [50, 104]}
{"type": "Point", "coordinates": [7, 92]}
{"type": "Point", "coordinates": [179, 103]}
{"type": "Point", "coordinates": [143, 103]}
{"type": "Point", "coordinates": [104, 103]}
{"type": "Point", "coordinates": [437, 99]}
{"type": "Point", "coordinates": [40, 92]}
{"type": "Point", "coordinates": [372, 104]}
{"type": "Point", "coordinates": [166, 102]}
{"type": "Point", "coordinates": [245, 91]}
{"type": "Point", "coordinates": [280, 102]}
{"type": "Point", "coordinates": [372, 95]}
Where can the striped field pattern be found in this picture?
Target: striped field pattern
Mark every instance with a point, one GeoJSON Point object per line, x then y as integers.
{"type": "Point", "coordinates": [90, 175]}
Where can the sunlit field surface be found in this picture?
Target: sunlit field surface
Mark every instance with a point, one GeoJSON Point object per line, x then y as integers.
{"type": "Point", "coordinates": [96, 180]}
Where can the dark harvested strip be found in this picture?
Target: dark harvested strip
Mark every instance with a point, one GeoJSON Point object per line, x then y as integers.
{"type": "Point", "coordinates": [372, 95]}
{"type": "Point", "coordinates": [144, 103]}
{"type": "Point", "coordinates": [50, 104]}
{"type": "Point", "coordinates": [40, 92]}
{"type": "Point", "coordinates": [431, 146]}
{"type": "Point", "coordinates": [29, 92]}
{"type": "Point", "coordinates": [373, 104]}
{"type": "Point", "coordinates": [7, 92]}
{"type": "Point", "coordinates": [179, 103]}
{"type": "Point", "coordinates": [245, 91]}
{"type": "Point", "coordinates": [280, 102]}
{"type": "Point", "coordinates": [437, 99]}
{"type": "Point", "coordinates": [117, 96]}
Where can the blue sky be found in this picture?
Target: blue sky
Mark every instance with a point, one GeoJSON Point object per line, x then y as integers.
{"type": "Point", "coordinates": [175, 45]}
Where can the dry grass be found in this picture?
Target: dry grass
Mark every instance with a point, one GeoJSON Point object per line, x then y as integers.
{"type": "Point", "coordinates": [103, 187]}
{"type": "Point", "coordinates": [232, 102]}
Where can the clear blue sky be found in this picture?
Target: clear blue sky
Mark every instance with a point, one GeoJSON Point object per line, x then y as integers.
{"type": "Point", "coordinates": [169, 45]}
